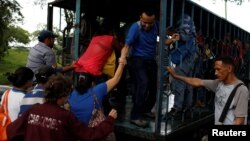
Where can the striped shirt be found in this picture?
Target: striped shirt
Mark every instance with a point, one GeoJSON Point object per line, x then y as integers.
{"type": "Point", "coordinates": [40, 55]}
{"type": "Point", "coordinates": [31, 98]}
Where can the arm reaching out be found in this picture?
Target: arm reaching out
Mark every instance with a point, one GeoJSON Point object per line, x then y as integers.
{"type": "Point", "coordinates": [113, 113]}
{"type": "Point", "coordinates": [122, 62]}
{"type": "Point", "coordinates": [175, 37]}
{"type": "Point", "coordinates": [196, 82]}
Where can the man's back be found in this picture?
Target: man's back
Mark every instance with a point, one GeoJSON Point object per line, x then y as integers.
{"type": "Point", "coordinates": [40, 55]}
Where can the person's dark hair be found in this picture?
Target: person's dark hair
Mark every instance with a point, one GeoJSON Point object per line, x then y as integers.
{"type": "Point", "coordinates": [148, 11]}
{"type": "Point", "coordinates": [107, 27]}
{"type": "Point", "coordinates": [84, 82]}
{"type": "Point", "coordinates": [58, 86]}
{"type": "Point", "coordinates": [20, 76]}
{"type": "Point", "coordinates": [44, 73]}
{"type": "Point", "coordinates": [227, 60]}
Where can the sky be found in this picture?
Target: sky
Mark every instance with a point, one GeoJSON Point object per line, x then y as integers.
{"type": "Point", "coordinates": [236, 14]}
{"type": "Point", "coordinates": [34, 15]}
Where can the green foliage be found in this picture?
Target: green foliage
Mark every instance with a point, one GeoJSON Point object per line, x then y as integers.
{"type": "Point", "coordinates": [18, 34]}
{"type": "Point", "coordinates": [14, 58]}
{"type": "Point", "coordinates": [10, 14]}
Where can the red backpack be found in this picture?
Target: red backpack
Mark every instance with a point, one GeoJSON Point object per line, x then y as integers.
{"type": "Point", "coordinates": [4, 116]}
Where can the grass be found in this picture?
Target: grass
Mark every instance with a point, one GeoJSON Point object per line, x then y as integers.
{"type": "Point", "coordinates": [14, 58]}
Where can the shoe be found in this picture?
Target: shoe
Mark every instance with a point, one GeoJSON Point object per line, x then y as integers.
{"type": "Point", "coordinates": [139, 123]}
{"type": "Point", "coordinates": [150, 115]}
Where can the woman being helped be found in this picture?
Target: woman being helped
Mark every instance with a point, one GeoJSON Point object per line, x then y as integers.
{"type": "Point", "coordinates": [81, 100]}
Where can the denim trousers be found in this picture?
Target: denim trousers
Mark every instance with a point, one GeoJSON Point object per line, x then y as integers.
{"type": "Point", "coordinates": [143, 73]}
{"type": "Point", "coordinates": [182, 91]}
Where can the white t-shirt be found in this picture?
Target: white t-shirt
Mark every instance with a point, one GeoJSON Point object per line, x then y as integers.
{"type": "Point", "coordinates": [14, 102]}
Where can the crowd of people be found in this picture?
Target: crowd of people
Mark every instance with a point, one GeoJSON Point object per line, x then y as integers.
{"type": "Point", "coordinates": [45, 105]}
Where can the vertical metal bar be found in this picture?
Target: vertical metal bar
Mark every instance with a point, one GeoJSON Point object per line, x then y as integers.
{"type": "Point", "coordinates": [163, 14]}
{"type": "Point", "coordinates": [192, 12]}
{"type": "Point", "coordinates": [171, 12]}
{"type": "Point", "coordinates": [247, 36]}
{"type": "Point", "coordinates": [77, 28]}
{"type": "Point", "coordinates": [241, 34]}
{"type": "Point", "coordinates": [244, 36]}
{"type": "Point", "coordinates": [238, 33]}
{"type": "Point", "coordinates": [182, 18]}
{"type": "Point", "coordinates": [248, 39]}
{"type": "Point", "coordinates": [182, 9]}
{"type": "Point", "coordinates": [225, 28]}
{"type": "Point", "coordinates": [201, 12]}
{"type": "Point", "coordinates": [50, 18]}
{"type": "Point", "coordinates": [208, 21]}
{"type": "Point", "coordinates": [230, 28]}
{"type": "Point", "coordinates": [245, 33]}
{"type": "Point", "coordinates": [234, 32]}
{"type": "Point", "coordinates": [214, 26]}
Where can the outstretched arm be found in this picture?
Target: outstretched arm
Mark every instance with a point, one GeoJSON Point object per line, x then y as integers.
{"type": "Point", "coordinates": [64, 68]}
{"type": "Point", "coordinates": [196, 82]}
{"type": "Point", "coordinates": [122, 62]}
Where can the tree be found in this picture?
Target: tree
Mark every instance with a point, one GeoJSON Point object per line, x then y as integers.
{"type": "Point", "coordinates": [18, 35]}
{"type": "Point", "coordinates": [10, 15]}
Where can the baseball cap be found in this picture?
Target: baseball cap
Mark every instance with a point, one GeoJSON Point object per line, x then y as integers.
{"type": "Point", "coordinates": [46, 34]}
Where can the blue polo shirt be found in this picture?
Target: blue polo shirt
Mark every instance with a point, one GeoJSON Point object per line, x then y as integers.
{"type": "Point", "coordinates": [143, 43]}
{"type": "Point", "coordinates": [81, 105]}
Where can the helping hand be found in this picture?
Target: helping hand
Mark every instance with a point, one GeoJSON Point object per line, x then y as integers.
{"type": "Point", "coordinates": [176, 37]}
{"type": "Point", "coordinates": [171, 71]}
{"type": "Point", "coordinates": [113, 113]}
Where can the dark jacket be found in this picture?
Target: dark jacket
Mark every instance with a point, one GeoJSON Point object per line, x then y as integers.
{"type": "Point", "coordinates": [49, 122]}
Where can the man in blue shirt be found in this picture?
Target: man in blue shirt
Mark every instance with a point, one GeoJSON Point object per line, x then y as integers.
{"type": "Point", "coordinates": [142, 41]}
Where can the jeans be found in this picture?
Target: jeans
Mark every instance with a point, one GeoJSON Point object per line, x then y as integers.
{"type": "Point", "coordinates": [143, 75]}
{"type": "Point", "coordinates": [182, 91]}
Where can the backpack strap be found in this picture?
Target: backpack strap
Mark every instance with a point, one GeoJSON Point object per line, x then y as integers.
{"type": "Point", "coordinates": [229, 101]}
{"type": "Point", "coordinates": [5, 101]}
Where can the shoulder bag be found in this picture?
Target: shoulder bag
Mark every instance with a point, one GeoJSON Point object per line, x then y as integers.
{"type": "Point", "coordinates": [98, 116]}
